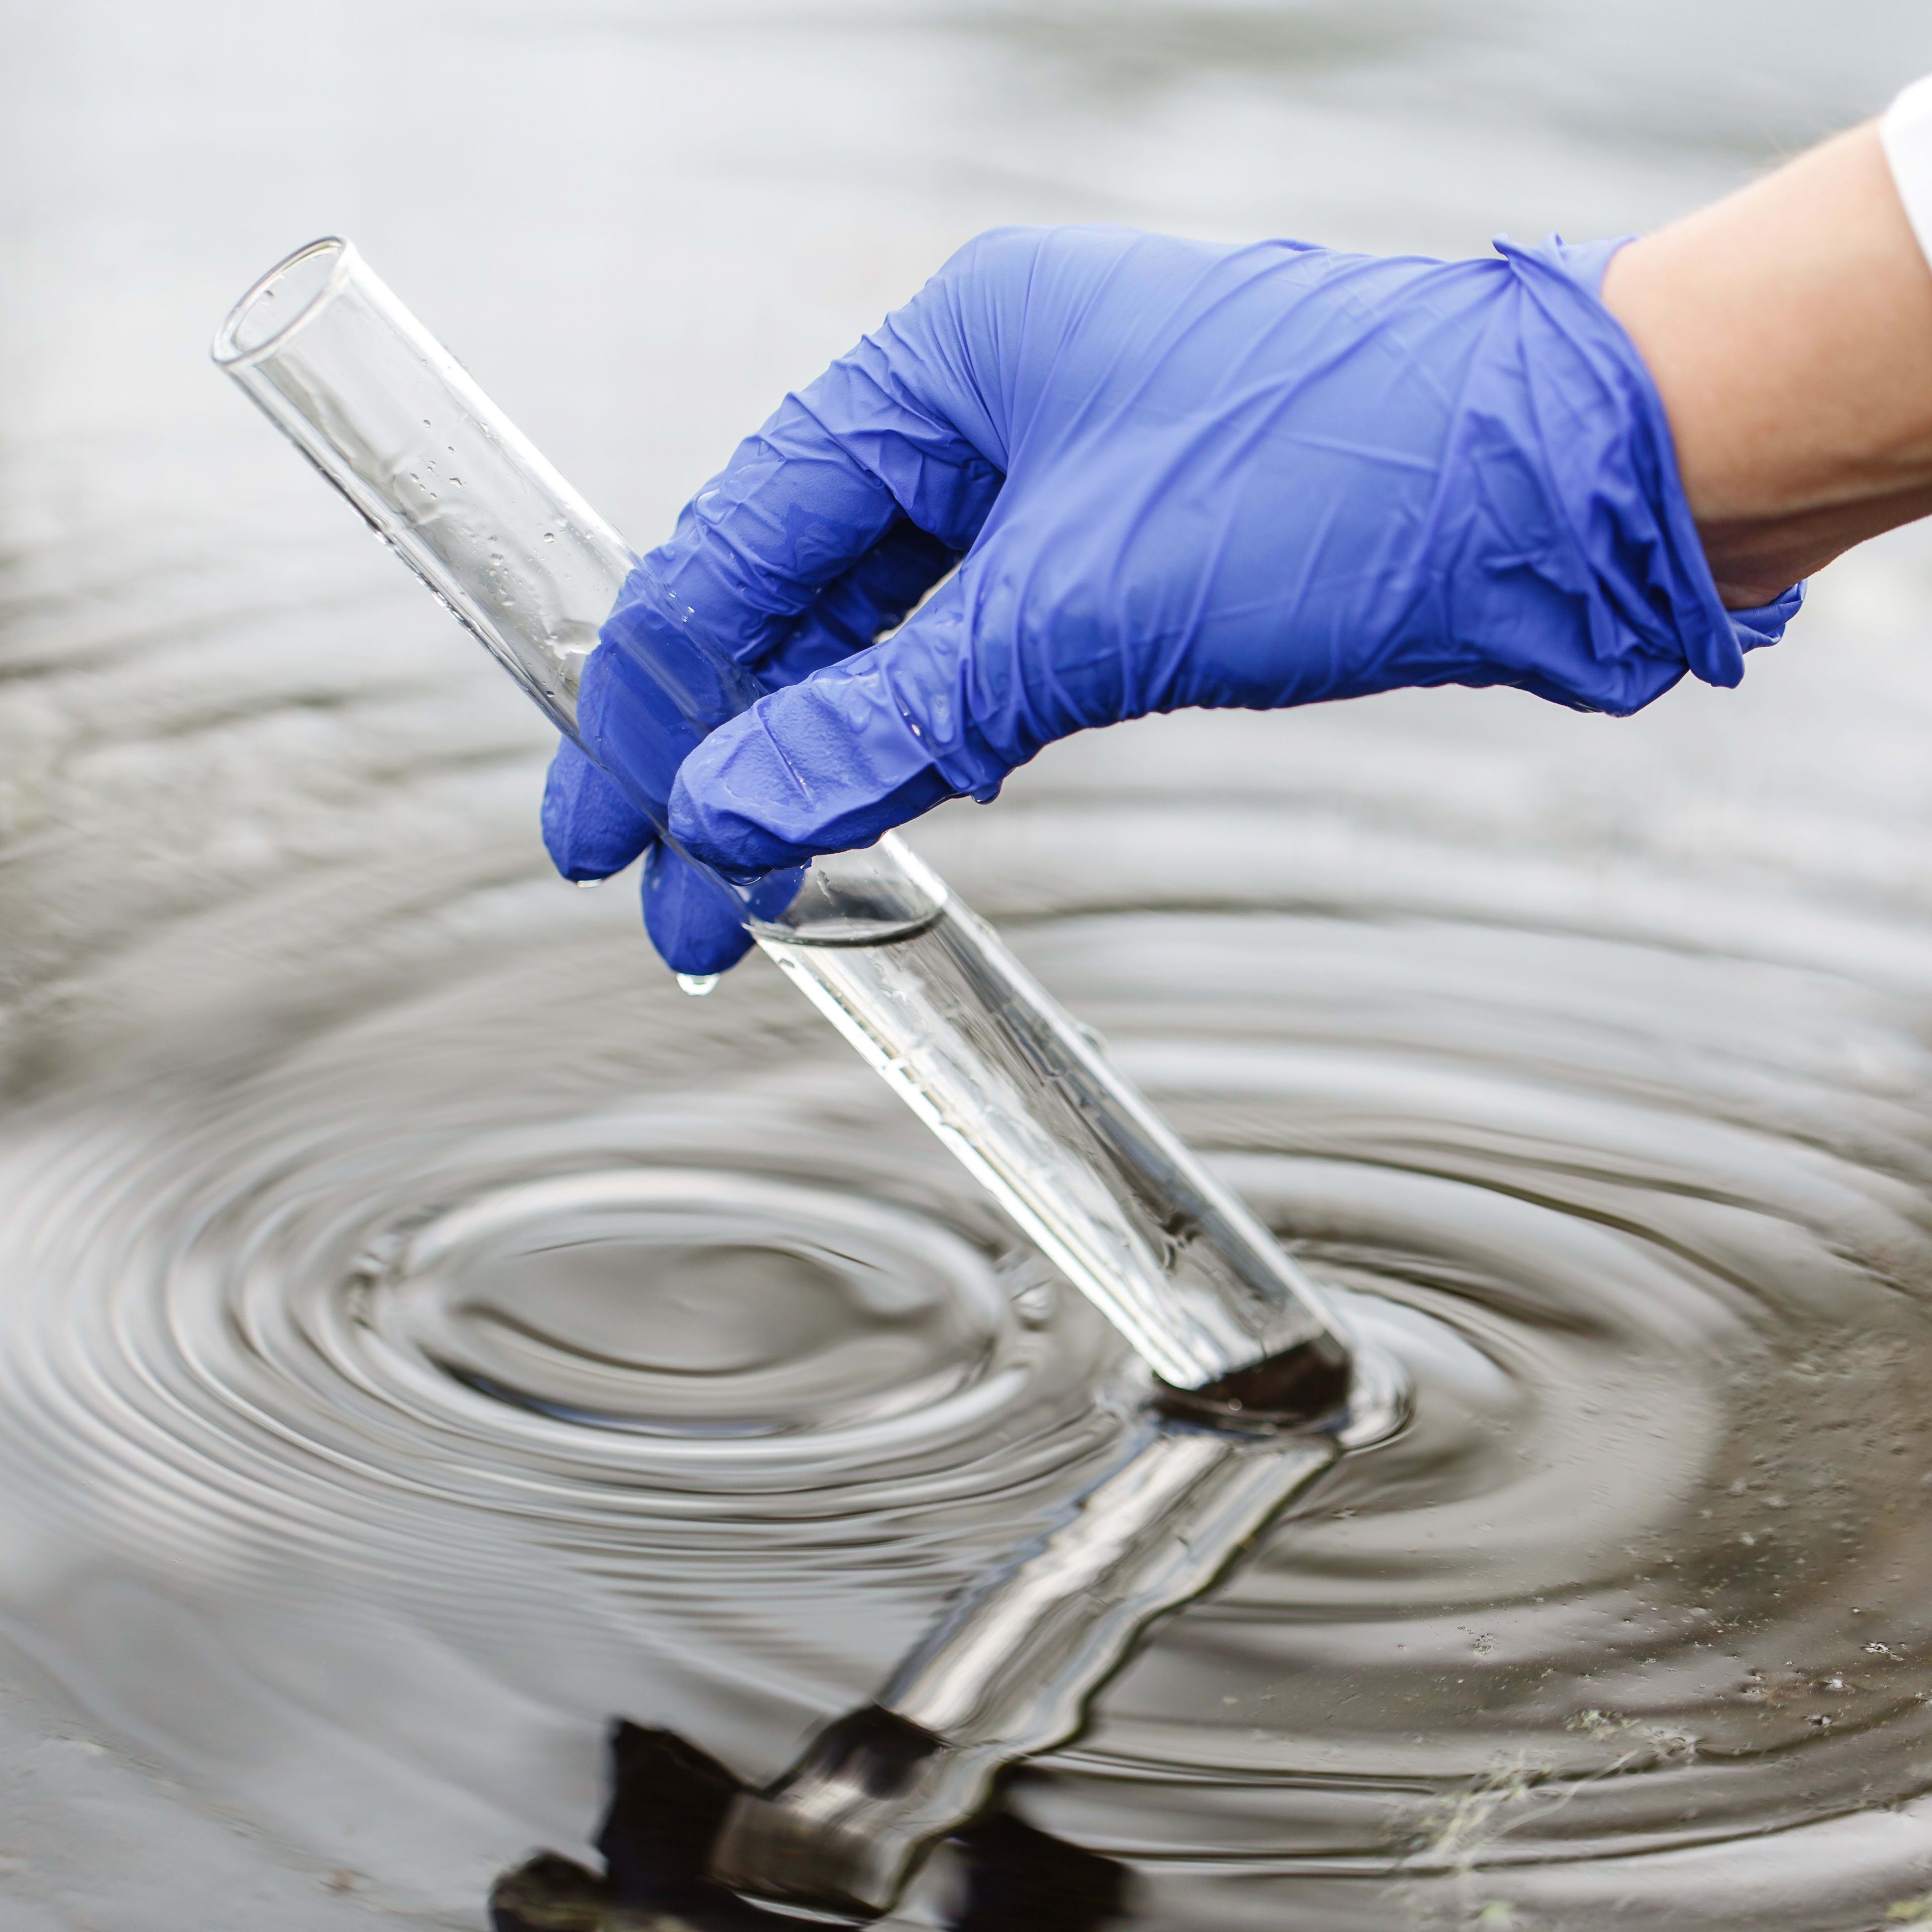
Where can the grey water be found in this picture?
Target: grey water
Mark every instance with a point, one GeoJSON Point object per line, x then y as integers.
{"type": "Point", "coordinates": [426, 1333]}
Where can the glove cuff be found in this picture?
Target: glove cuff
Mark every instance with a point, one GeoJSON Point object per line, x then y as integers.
{"type": "Point", "coordinates": [1627, 497]}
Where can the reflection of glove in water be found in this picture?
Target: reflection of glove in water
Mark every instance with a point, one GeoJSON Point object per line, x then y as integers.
{"type": "Point", "coordinates": [1182, 474]}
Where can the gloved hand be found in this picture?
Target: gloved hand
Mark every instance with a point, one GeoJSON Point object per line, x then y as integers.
{"type": "Point", "coordinates": [1180, 474]}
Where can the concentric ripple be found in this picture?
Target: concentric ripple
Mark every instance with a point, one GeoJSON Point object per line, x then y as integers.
{"type": "Point", "coordinates": [672, 1302]}
{"type": "Point", "coordinates": [380, 1419]}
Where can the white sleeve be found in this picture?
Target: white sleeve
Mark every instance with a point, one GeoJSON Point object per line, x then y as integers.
{"type": "Point", "coordinates": [1906, 132]}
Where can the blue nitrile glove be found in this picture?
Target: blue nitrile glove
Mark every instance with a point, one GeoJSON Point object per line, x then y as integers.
{"type": "Point", "coordinates": [1182, 474]}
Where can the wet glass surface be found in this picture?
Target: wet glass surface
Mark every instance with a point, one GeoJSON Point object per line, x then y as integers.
{"type": "Point", "coordinates": [425, 1333]}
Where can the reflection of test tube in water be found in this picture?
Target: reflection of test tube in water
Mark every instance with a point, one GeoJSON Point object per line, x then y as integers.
{"type": "Point", "coordinates": [923, 989]}
{"type": "Point", "coordinates": [1007, 1670]}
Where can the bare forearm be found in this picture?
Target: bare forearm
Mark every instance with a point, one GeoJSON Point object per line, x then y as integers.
{"type": "Point", "coordinates": [1788, 329]}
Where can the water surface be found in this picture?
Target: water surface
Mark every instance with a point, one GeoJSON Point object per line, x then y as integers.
{"type": "Point", "coordinates": [424, 1333]}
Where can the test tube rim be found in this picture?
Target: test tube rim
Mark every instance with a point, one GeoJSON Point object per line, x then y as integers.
{"type": "Point", "coordinates": [227, 352]}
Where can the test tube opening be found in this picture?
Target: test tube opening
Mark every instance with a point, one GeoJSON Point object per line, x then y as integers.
{"type": "Point", "coordinates": [284, 301]}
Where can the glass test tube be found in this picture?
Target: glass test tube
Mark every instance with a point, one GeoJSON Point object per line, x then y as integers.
{"type": "Point", "coordinates": [922, 988]}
